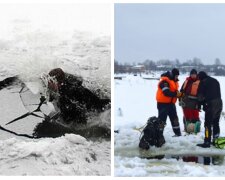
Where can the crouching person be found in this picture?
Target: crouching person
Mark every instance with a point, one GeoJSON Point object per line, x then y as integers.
{"type": "Point", "coordinates": [152, 134]}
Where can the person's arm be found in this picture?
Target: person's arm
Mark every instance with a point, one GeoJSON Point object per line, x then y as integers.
{"type": "Point", "coordinates": [200, 96]}
{"type": "Point", "coordinates": [200, 92]}
{"type": "Point", "coordinates": [182, 88]}
{"type": "Point", "coordinates": [166, 90]}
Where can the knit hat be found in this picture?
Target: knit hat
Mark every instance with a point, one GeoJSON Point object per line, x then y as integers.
{"type": "Point", "coordinates": [193, 71]}
{"type": "Point", "coordinates": [202, 75]}
{"type": "Point", "coordinates": [175, 72]}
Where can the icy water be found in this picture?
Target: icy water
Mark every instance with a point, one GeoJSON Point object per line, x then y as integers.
{"type": "Point", "coordinates": [206, 160]}
{"type": "Point", "coordinates": [47, 129]}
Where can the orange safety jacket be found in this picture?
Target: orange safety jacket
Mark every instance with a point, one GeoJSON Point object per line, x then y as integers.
{"type": "Point", "coordinates": [194, 87]}
{"type": "Point", "coordinates": [173, 87]}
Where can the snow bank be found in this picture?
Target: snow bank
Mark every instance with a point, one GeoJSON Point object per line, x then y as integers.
{"type": "Point", "coordinates": [68, 155]}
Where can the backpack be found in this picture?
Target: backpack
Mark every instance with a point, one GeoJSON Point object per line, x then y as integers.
{"type": "Point", "coordinates": [152, 134]}
{"type": "Point", "coordinates": [220, 142]}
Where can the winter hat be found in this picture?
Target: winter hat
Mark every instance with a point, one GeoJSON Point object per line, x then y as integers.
{"type": "Point", "coordinates": [193, 71]}
{"type": "Point", "coordinates": [202, 75]}
{"type": "Point", "coordinates": [175, 72]}
{"type": "Point", "coordinates": [58, 73]}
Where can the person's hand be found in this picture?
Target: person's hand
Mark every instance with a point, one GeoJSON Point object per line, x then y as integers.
{"type": "Point", "coordinates": [205, 107]}
{"type": "Point", "coordinates": [180, 94]}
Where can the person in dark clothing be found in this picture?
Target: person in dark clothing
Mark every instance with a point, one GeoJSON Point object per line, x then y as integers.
{"type": "Point", "coordinates": [210, 97]}
{"type": "Point", "coordinates": [166, 97]}
{"type": "Point", "coordinates": [189, 103]}
{"type": "Point", "coordinates": [73, 100]}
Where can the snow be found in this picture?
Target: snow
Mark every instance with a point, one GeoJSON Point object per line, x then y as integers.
{"type": "Point", "coordinates": [30, 48]}
{"type": "Point", "coordinates": [134, 104]}
{"type": "Point", "coordinates": [67, 155]}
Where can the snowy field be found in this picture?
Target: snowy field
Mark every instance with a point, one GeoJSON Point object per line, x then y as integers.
{"type": "Point", "coordinates": [30, 49]}
{"type": "Point", "coordinates": [134, 103]}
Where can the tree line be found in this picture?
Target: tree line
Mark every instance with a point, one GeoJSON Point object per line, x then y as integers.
{"type": "Point", "coordinates": [217, 68]}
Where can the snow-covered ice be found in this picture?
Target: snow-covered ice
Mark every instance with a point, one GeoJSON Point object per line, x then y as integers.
{"type": "Point", "coordinates": [134, 103]}
{"type": "Point", "coordinates": [67, 155]}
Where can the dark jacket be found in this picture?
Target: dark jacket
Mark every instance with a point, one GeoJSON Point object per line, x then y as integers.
{"type": "Point", "coordinates": [209, 89]}
{"type": "Point", "coordinates": [75, 101]}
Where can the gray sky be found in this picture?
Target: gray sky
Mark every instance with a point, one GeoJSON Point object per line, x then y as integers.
{"type": "Point", "coordinates": [56, 17]}
{"type": "Point", "coordinates": [169, 31]}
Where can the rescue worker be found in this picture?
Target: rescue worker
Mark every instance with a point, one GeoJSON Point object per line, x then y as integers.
{"type": "Point", "coordinates": [166, 97]}
{"type": "Point", "coordinates": [72, 99]}
{"type": "Point", "coordinates": [189, 103]}
{"type": "Point", "coordinates": [209, 95]}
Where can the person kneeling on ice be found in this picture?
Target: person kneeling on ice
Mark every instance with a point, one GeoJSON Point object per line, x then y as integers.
{"type": "Point", "coordinates": [152, 134]}
{"type": "Point", "coordinates": [71, 99]}
{"type": "Point", "coordinates": [166, 97]}
{"type": "Point", "coordinates": [209, 95]}
{"type": "Point", "coordinates": [189, 103]}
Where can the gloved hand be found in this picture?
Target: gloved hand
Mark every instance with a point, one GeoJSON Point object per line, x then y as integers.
{"type": "Point", "coordinates": [205, 107]}
{"type": "Point", "coordinates": [180, 94]}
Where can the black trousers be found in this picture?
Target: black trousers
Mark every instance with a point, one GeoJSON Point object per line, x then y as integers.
{"type": "Point", "coordinates": [213, 111]}
{"type": "Point", "coordinates": [169, 109]}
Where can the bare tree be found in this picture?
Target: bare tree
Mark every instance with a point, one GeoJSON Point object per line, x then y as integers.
{"type": "Point", "coordinates": [217, 61]}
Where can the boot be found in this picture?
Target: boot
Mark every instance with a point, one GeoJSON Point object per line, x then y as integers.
{"type": "Point", "coordinates": [206, 144]}
{"type": "Point", "coordinates": [177, 133]}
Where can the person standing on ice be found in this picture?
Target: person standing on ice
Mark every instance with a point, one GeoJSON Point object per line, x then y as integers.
{"type": "Point", "coordinates": [209, 95]}
{"type": "Point", "coordinates": [166, 97]}
{"type": "Point", "coordinates": [189, 103]}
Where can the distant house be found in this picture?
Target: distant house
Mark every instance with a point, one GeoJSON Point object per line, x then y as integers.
{"type": "Point", "coordinates": [138, 69]}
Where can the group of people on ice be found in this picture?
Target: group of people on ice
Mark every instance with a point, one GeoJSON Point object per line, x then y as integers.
{"type": "Point", "coordinates": [199, 91]}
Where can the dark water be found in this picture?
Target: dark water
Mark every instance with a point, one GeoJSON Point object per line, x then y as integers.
{"type": "Point", "coordinates": [206, 160]}
{"type": "Point", "coordinates": [48, 129]}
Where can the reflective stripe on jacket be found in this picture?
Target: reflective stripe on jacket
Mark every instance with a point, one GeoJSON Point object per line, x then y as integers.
{"type": "Point", "coordinates": [173, 87]}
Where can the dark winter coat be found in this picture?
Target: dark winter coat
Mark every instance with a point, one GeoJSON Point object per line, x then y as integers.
{"type": "Point", "coordinates": [75, 100]}
{"type": "Point", "coordinates": [209, 89]}
{"type": "Point", "coordinates": [210, 98]}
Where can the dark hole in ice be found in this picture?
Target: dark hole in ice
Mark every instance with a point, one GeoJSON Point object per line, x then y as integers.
{"type": "Point", "coordinates": [50, 129]}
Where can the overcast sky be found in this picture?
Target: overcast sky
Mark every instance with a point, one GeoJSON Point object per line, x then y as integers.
{"type": "Point", "coordinates": [57, 17]}
{"type": "Point", "coordinates": [169, 31]}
